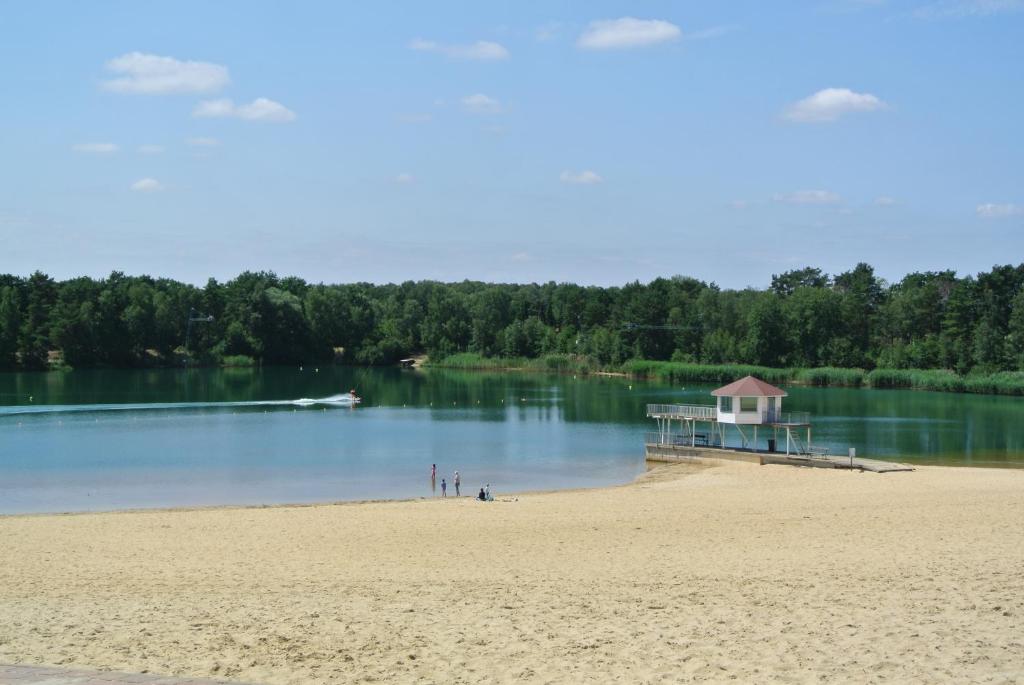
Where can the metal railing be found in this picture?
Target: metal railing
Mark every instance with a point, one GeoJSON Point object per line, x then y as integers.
{"type": "Point", "coordinates": [700, 412]}
{"type": "Point", "coordinates": [677, 439]}
{"type": "Point", "coordinates": [791, 418]}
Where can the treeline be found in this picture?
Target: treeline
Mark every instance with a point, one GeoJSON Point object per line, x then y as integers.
{"type": "Point", "coordinates": [806, 318]}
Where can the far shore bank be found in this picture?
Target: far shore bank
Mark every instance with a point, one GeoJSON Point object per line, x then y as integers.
{"type": "Point", "coordinates": [937, 380]}
{"type": "Point", "coordinates": [729, 571]}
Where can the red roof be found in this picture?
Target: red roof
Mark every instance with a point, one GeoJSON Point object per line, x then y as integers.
{"type": "Point", "coordinates": [749, 387]}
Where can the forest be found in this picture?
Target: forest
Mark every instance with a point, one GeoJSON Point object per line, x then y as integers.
{"type": "Point", "coordinates": [805, 318]}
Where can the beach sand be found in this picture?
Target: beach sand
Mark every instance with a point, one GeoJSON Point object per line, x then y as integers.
{"type": "Point", "coordinates": [731, 572]}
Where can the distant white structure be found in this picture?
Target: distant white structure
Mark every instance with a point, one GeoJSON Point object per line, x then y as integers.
{"type": "Point", "coordinates": [745, 404]}
{"type": "Point", "coordinates": [748, 401]}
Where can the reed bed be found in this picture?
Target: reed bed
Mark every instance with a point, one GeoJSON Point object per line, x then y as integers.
{"type": "Point", "coordinates": [939, 380]}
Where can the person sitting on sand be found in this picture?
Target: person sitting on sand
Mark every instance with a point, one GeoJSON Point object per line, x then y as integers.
{"type": "Point", "coordinates": [482, 497]}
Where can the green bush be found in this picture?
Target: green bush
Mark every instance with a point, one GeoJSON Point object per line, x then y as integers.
{"type": "Point", "coordinates": [830, 376]}
{"type": "Point", "coordinates": [999, 383]}
{"type": "Point", "coordinates": [237, 360]}
{"type": "Point", "coordinates": [678, 372]}
{"type": "Point", "coordinates": [918, 379]}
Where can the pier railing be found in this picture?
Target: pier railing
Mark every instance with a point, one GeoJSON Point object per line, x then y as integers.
{"type": "Point", "coordinates": [699, 412]}
{"type": "Point", "coordinates": [676, 439]}
{"type": "Point", "coordinates": [786, 418]}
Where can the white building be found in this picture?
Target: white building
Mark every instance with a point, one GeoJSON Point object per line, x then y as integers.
{"type": "Point", "coordinates": [748, 401]}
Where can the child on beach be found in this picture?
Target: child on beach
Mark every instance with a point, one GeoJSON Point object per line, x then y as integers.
{"type": "Point", "coordinates": [444, 488]}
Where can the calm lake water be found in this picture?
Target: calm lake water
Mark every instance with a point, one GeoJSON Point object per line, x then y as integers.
{"type": "Point", "coordinates": [89, 440]}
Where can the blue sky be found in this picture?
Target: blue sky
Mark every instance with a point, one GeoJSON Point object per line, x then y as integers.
{"type": "Point", "coordinates": [595, 142]}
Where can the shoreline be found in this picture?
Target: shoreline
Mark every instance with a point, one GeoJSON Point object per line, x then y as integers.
{"type": "Point", "coordinates": [652, 467]}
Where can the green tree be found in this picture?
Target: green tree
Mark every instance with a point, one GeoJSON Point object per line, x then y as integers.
{"type": "Point", "coordinates": [10, 325]}
{"type": "Point", "coordinates": [34, 337]}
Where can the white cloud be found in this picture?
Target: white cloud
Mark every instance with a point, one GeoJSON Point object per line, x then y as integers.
{"type": "Point", "coordinates": [548, 31]}
{"type": "Point", "coordinates": [809, 197]}
{"type": "Point", "coordinates": [885, 201]}
{"type": "Point", "coordinates": [481, 104]}
{"type": "Point", "coordinates": [150, 149]}
{"type": "Point", "coordinates": [147, 185]}
{"type": "Point", "coordinates": [404, 177]}
{"type": "Point", "coordinates": [260, 109]}
{"type": "Point", "coordinates": [997, 211]}
{"type": "Point", "coordinates": [830, 104]}
{"type": "Point", "coordinates": [952, 9]}
{"type": "Point", "coordinates": [483, 50]}
{"type": "Point", "coordinates": [95, 148]}
{"type": "Point", "coordinates": [156, 75]}
{"type": "Point", "coordinates": [586, 177]}
{"type": "Point", "coordinates": [626, 32]}
{"type": "Point", "coordinates": [202, 142]}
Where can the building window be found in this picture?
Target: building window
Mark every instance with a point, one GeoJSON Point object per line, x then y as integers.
{"type": "Point", "coordinates": [748, 404]}
{"type": "Point", "coordinates": [725, 405]}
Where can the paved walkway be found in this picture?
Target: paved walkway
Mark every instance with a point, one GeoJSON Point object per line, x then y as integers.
{"type": "Point", "coordinates": [47, 675]}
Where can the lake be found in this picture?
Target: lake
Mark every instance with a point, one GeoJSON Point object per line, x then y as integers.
{"type": "Point", "coordinates": [97, 440]}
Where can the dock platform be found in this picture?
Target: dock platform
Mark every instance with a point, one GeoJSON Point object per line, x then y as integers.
{"type": "Point", "coordinates": [674, 454]}
{"type": "Point", "coordinates": [835, 462]}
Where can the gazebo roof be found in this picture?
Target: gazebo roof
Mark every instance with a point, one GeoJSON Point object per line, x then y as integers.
{"type": "Point", "coordinates": [749, 387]}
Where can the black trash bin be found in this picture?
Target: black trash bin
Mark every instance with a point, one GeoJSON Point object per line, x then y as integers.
{"type": "Point", "coordinates": [771, 444]}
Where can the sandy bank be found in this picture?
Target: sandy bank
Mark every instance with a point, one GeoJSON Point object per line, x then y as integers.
{"type": "Point", "coordinates": [734, 571]}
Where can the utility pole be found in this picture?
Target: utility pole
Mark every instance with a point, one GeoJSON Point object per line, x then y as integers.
{"type": "Point", "coordinates": [194, 317]}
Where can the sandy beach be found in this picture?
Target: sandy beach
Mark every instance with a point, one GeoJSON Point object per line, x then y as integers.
{"type": "Point", "coordinates": [731, 572]}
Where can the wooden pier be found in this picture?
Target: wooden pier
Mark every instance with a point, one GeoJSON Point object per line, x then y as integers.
{"type": "Point", "coordinates": [696, 432]}
{"type": "Point", "coordinates": [835, 462]}
{"type": "Point", "coordinates": [681, 454]}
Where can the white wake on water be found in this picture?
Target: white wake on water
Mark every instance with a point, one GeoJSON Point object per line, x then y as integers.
{"type": "Point", "coordinates": [342, 400]}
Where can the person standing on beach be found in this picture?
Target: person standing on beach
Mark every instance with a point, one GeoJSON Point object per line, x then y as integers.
{"type": "Point", "coordinates": [458, 482]}
{"type": "Point", "coordinates": [444, 488]}
{"type": "Point", "coordinates": [433, 472]}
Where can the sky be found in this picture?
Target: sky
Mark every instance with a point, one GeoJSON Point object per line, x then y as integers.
{"type": "Point", "coordinates": [594, 142]}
